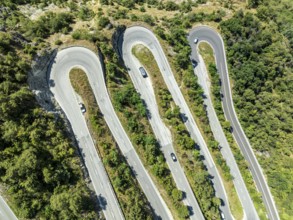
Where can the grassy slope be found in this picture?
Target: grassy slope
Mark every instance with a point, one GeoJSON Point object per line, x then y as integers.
{"type": "Point", "coordinates": [131, 198]}
{"type": "Point", "coordinates": [120, 83]}
{"type": "Point", "coordinates": [216, 4]}
{"type": "Point", "coordinates": [207, 53]}
{"type": "Point", "coordinates": [185, 156]}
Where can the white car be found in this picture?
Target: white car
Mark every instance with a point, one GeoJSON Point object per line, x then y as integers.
{"type": "Point", "coordinates": [82, 107]}
{"type": "Point", "coordinates": [222, 215]}
{"type": "Point", "coordinates": [195, 41]}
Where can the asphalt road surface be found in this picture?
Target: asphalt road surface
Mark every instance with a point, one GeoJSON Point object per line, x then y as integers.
{"type": "Point", "coordinates": [203, 80]}
{"type": "Point", "coordinates": [5, 212]}
{"type": "Point", "coordinates": [204, 33]}
{"type": "Point", "coordinates": [136, 34]}
{"type": "Point", "coordinates": [163, 134]}
{"type": "Point", "coordinates": [63, 92]}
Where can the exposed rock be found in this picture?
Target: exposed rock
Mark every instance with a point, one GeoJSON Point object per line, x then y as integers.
{"type": "Point", "coordinates": [19, 39]}
{"type": "Point", "coordinates": [34, 13]}
{"type": "Point", "coordinates": [38, 82]}
{"type": "Point", "coordinates": [263, 154]}
{"type": "Point", "coordinates": [37, 78]}
{"type": "Point", "coordinates": [2, 28]}
{"type": "Point", "coordinates": [4, 12]}
{"type": "Point", "coordinates": [117, 39]}
{"type": "Point", "coordinates": [109, 26]}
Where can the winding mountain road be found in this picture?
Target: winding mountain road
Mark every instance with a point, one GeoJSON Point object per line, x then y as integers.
{"type": "Point", "coordinates": [140, 35]}
{"type": "Point", "coordinates": [163, 134]}
{"type": "Point", "coordinates": [206, 34]}
{"type": "Point", "coordinates": [201, 72]}
{"type": "Point", "coordinates": [63, 92]}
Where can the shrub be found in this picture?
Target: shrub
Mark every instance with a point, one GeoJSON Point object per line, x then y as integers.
{"type": "Point", "coordinates": [58, 42]}
{"type": "Point", "coordinates": [103, 22]}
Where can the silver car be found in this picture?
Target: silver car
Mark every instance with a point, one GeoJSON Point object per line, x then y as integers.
{"type": "Point", "coordinates": [82, 107]}
{"type": "Point", "coordinates": [143, 72]}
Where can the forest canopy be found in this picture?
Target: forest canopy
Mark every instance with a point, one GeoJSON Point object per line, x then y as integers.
{"type": "Point", "coordinates": [260, 63]}
{"type": "Point", "coordinates": [39, 165]}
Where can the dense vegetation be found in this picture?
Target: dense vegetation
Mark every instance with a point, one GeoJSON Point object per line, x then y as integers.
{"type": "Point", "coordinates": [49, 24]}
{"type": "Point", "coordinates": [260, 57]}
{"type": "Point", "coordinates": [241, 162]}
{"type": "Point", "coordinates": [260, 63]}
{"type": "Point", "coordinates": [40, 169]}
{"type": "Point", "coordinates": [192, 91]}
{"type": "Point", "coordinates": [185, 146]}
{"type": "Point", "coordinates": [39, 166]}
{"type": "Point", "coordinates": [130, 196]}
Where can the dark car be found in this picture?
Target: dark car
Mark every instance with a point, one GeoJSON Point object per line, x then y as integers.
{"type": "Point", "coordinates": [82, 107]}
{"type": "Point", "coordinates": [143, 72]}
{"type": "Point", "coordinates": [231, 129]}
{"type": "Point", "coordinates": [221, 95]}
{"type": "Point", "coordinates": [173, 157]}
{"type": "Point", "coordinates": [194, 63]}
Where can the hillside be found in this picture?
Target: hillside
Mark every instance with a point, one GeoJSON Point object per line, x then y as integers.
{"type": "Point", "coordinates": [40, 166]}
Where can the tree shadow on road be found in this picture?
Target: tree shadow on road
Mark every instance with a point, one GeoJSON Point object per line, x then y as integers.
{"type": "Point", "coordinates": [148, 113]}
{"type": "Point", "coordinates": [51, 83]}
{"type": "Point", "coordinates": [190, 210]}
{"type": "Point", "coordinates": [102, 202]}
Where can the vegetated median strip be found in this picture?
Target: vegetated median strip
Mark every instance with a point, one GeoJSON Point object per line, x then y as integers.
{"type": "Point", "coordinates": [217, 103]}
{"type": "Point", "coordinates": [133, 116]}
{"type": "Point", "coordinates": [163, 134]}
{"type": "Point", "coordinates": [234, 201]}
{"type": "Point", "coordinates": [185, 146]}
{"type": "Point", "coordinates": [130, 196]}
{"type": "Point", "coordinates": [193, 93]}
{"type": "Point", "coordinates": [193, 96]}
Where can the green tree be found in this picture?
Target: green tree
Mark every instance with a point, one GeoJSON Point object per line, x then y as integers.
{"type": "Point", "coordinates": [177, 194]}
{"type": "Point", "coordinates": [183, 211]}
{"type": "Point", "coordinates": [103, 22]}
{"type": "Point", "coordinates": [5, 41]}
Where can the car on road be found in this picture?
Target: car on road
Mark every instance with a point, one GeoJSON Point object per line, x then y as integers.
{"type": "Point", "coordinates": [231, 129]}
{"type": "Point", "coordinates": [195, 41]}
{"type": "Point", "coordinates": [204, 96]}
{"type": "Point", "coordinates": [82, 107]}
{"type": "Point", "coordinates": [173, 157]}
{"type": "Point", "coordinates": [143, 72]}
{"type": "Point", "coordinates": [222, 216]}
{"type": "Point", "coordinates": [194, 63]}
{"type": "Point", "coordinates": [183, 117]}
{"type": "Point", "coordinates": [221, 95]}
